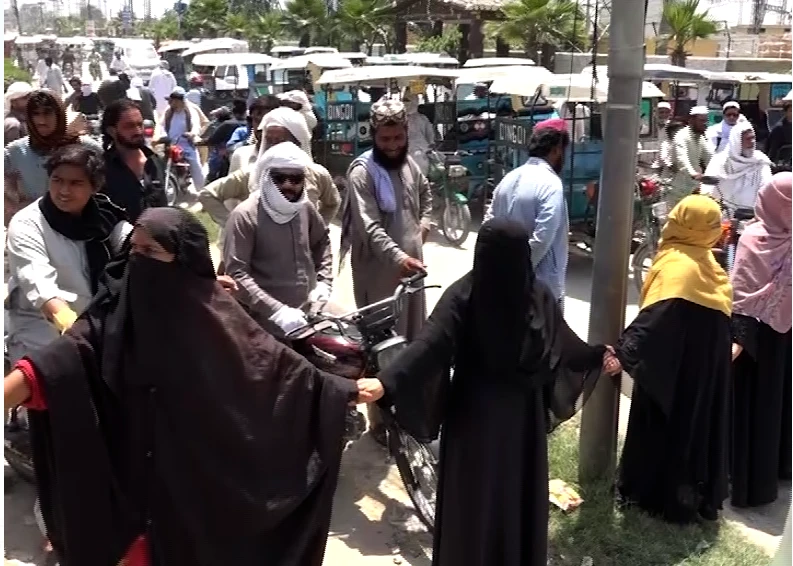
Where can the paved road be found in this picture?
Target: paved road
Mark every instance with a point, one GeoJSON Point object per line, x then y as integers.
{"type": "Point", "coordinates": [372, 521]}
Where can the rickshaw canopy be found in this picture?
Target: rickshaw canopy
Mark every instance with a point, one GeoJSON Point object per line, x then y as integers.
{"type": "Point", "coordinates": [219, 59]}
{"type": "Point", "coordinates": [321, 60]}
{"type": "Point", "coordinates": [383, 75]}
{"type": "Point", "coordinates": [175, 46]}
{"type": "Point", "coordinates": [487, 74]}
{"type": "Point", "coordinates": [573, 88]}
{"type": "Point", "coordinates": [223, 43]}
{"type": "Point", "coordinates": [498, 62]}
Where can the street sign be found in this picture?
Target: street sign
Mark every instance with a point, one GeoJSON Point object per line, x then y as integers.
{"type": "Point", "coordinates": [180, 8]}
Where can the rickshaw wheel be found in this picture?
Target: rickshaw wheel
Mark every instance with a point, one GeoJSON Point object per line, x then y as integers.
{"type": "Point", "coordinates": [455, 222]}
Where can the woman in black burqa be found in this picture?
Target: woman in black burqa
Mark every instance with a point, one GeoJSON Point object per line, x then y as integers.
{"type": "Point", "coordinates": [518, 372]}
{"type": "Point", "coordinates": [177, 432]}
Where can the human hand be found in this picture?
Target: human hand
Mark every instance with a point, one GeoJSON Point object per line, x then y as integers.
{"type": "Point", "coordinates": [227, 282]}
{"type": "Point", "coordinates": [320, 293]}
{"type": "Point", "coordinates": [64, 319]}
{"type": "Point", "coordinates": [611, 365]}
{"type": "Point", "coordinates": [289, 319]}
{"type": "Point", "coordinates": [370, 389]}
{"type": "Point", "coordinates": [736, 351]}
{"type": "Point", "coordinates": [410, 265]}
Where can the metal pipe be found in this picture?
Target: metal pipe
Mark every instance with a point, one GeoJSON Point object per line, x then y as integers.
{"type": "Point", "coordinates": [598, 439]}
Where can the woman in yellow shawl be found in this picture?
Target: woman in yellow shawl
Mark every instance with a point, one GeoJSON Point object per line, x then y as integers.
{"type": "Point", "coordinates": [674, 464]}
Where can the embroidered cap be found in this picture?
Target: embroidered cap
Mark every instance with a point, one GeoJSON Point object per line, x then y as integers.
{"type": "Point", "coordinates": [664, 105]}
{"type": "Point", "coordinates": [387, 111]}
{"type": "Point", "coordinates": [698, 111]}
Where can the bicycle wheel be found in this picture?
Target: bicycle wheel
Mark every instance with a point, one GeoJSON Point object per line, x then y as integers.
{"type": "Point", "coordinates": [418, 468]}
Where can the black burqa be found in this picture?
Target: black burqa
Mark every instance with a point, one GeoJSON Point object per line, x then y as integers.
{"type": "Point", "coordinates": [172, 413]}
{"type": "Point", "coordinates": [518, 372]}
{"type": "Point", "coordinates": [761, 412]}
{"type": "Point", "coordinates": [674, 462]}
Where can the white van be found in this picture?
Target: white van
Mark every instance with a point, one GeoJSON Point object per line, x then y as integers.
{"type": "Point", "coordinates": [140, 55]}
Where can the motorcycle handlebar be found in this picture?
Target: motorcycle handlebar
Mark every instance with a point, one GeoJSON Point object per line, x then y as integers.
{"type": "Point", "coordinates": [406, 286]}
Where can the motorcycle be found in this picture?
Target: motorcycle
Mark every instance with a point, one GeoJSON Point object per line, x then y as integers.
{"type": "Point", "coordinates": [362, 343]}
{"type": "Point", "coordinates": [653, 213]}
{"type": "Point", "coordinates": [449, 181]}
{"type": "Point", "coordinates": [177, 171]}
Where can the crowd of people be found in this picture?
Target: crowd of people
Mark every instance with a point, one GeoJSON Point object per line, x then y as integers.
{"type": "Point", "coordinates": [172, 424]}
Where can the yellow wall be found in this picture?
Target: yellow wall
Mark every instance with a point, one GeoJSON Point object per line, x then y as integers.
{"type": "Point", "coordinates": [700, 48]}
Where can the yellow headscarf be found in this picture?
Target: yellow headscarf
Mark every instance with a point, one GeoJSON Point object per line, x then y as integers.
{"type": "Point", "coordinates": [684, 267]}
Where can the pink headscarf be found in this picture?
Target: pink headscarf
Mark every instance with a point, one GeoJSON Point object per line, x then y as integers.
{"type": "Point", "coordinates": [761, 277]}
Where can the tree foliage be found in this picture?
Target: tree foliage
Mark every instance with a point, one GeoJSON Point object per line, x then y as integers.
{"type": "Point", "coordinates": [541, 26]}
{"type": "Point", "coordinates": [687, 23]}
{"type": "Point", "coordinates": [448, 42]}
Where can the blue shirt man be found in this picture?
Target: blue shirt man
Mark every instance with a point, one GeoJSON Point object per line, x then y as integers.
{"type": "Point", "coordinates": [533, 195]}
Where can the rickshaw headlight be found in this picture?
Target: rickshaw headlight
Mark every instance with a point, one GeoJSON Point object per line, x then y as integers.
{"type": "Point", "coordinates": [457, 171]}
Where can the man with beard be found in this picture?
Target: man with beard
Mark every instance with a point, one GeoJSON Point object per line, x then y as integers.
{"type": "Point", "coordinates": [386, 220]}
{"type": "Point", "coordinates": [533, 195]}
{"type": "Point", "coordinates": [276, 246]}
{"type": "Point", "coordinates": [692, 153]}
{"type": "Point", "coordinates": [134, 174]}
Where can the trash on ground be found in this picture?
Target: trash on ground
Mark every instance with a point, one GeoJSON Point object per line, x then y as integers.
{"type": "Point", "coordinates": [563, 495]}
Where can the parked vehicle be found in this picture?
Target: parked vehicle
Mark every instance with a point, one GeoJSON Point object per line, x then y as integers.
{"type": "Point", "coordinates": [140, 55]}
{"type": "Point", "coordinates": [449, 181]}
{"type": "Point", "coordinates": [361, 343]}
{"type": "Point", "coordinates": [652, 212]}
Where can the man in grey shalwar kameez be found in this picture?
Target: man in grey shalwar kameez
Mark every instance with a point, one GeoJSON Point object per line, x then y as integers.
{"type": "Point", "coordinates": [386, 220]}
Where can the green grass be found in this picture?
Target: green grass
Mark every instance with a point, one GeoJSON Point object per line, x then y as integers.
{"type": "Point", "coordinates": [12, 73]}
{"type": "Point", "coordinates": [211, 226]}
{"type": "Point", "coordinates": [613, 537]}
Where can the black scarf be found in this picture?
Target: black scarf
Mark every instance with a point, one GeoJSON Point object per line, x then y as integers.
{"type": "Point", "coordinates": [94, 226]}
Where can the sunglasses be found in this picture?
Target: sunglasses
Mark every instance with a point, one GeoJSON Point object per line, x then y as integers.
{"type": "Point", "coordinates": [731, 114]}
{"type": "Point", "coordinates": [280, 178]}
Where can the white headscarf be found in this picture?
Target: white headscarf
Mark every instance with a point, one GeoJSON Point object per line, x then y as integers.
{"type": "Point", "coordinates": [301, 98]}
{"type": "Point", "coordinates": [740, 174]}
{"type": "Point", "coordinates": [282, 156]}
{"type": "Point", "coordinates": [15, 91]}
{"type": "Point", "coordinates": [292, 121]}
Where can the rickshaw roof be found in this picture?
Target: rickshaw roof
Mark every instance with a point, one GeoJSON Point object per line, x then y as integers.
{"type": "Point", "coordinates": [220, 59]}
{"type": "Point", "coordinates": [175, 46]}
{"type": "Point", "coordinates": [756, 78]}
{"type": "Point", "coordinates": [73, 41]}
{"type": "Point", "coordinates": [572, 88]}
{"type": "Point", "coordinates": [29, 40]}
{"type": "Point", "coordinates": [789, 96]}
{"type": "Point", "coordinates": [322, 60]}
{"type": "Point", "coordinates": [497, 62]}
{"type": "Point", "coordinates": [234, 45]}
{"type": "Point", "coordinates": [319, 49]}
{"type": "Point", "coordinates": [10, 37]}
{"type": "Point", "coordinates": [661, 72]}
{"type": "Point", "coordinates": [286, 49]}
{"type": "Point", "coordinates": [484, 74]}
{"type": "Point", "coordinates": [382, 75]}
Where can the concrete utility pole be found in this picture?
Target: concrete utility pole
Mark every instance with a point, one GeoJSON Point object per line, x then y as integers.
{"type": "Point", "coordinates": [598, 440]}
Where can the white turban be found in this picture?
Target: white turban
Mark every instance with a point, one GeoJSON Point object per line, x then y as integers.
{"type": "Point", "coordinates": [292, 121]}
{"type": "Point", "coordinates": [301, 98]}
{"type": "Point", "coordinates": [282, 156]}
{"type": "Point", "coordinates": [137, 82]}
{"type": "Point", "coordinates": [16, 91]}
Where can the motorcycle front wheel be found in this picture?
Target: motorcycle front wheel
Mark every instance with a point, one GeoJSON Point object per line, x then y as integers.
{"type": "Point", "coordinates": [455, 221]}
{"type": "Point", "coordinates": [642, 259]}
{"type": "Point", "coordinates": [171, 188]}
{"type": "Point", "coordinates": [418, 467]}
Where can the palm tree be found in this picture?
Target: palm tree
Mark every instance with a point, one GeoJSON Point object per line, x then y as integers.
{"type": "Point", "coordinates": [309, 18]}
{"type": "Point", "coordinates": [543, 25]}
{"type": "Point", "coordinates": [686, 23]}
{"type": "Point", "coordinates": [236, 25]}
{"type": "Point", "coordinates": [363, 22]}
{"type": "Point", "coordinates": [205, 17]}
{"type": "Point", "coordinates": [265, 30]}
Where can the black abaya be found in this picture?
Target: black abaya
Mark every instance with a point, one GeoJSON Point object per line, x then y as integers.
{"type": "Point", "coordinates": [674, 460]}
{"type": "Point", "coordinates": [492, 504]}
{"type": "Point", "coordinates": [761, 412]}
{"type": "Point", "coordinates": [171, 413]}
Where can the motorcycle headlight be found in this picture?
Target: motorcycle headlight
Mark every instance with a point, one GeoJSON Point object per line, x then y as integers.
{"type": "Point", "coordinates": [387, 351]}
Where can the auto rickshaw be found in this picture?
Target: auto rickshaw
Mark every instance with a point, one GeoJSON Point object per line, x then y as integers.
{"type": "Point", "coordinates": [579, 101]}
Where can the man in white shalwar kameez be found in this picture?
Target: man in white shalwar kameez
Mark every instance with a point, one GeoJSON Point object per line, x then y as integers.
{"type": "Point", "coordinates": [719, 134]}
{"type": "Point", "coordinates": [161, 84]}
{"type": "Point", "coordinates": [692, 154]}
